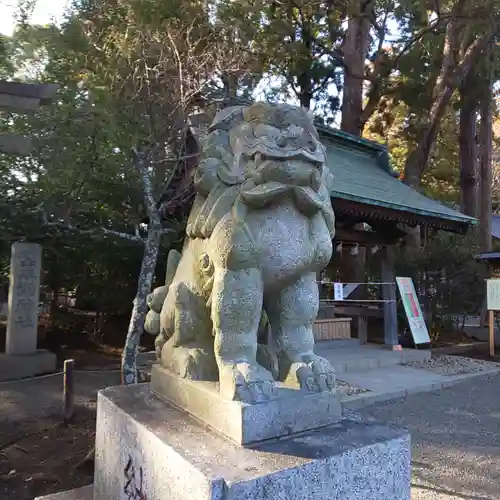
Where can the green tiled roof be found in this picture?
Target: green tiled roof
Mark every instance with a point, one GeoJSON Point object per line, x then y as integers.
{"type": "Point", "coordinates": [362, 174]}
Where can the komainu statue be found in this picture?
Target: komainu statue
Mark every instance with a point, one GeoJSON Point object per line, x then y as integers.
{"type": "Point", "coordinates": [260, 229]}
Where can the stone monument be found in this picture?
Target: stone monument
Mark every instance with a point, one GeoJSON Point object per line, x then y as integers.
{"type": "Point", "coordinates": [21, 358]}
{"type": "Point", "coordinates": [227, 415]}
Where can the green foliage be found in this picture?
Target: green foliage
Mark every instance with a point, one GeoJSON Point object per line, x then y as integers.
{"type": "Point", "coordinates": [130, 73]}
{"type": "Point", "coordinates": [448, 279]}
{"type": "Point", "coordinates": [390, 125]}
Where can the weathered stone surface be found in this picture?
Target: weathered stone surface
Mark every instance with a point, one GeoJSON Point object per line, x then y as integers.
{"type": "Point", "coordinates": [28, 365]}
{"type": "Point", "coordinates": [146, 444]}
{"type": "Point", "coordinates": [260, 229]}
{"type": "Point", "coordinates": [85, 493]}
{"type": "Point", "coordinates": [291, 412]}
{"type": "Point", "coordinates": [24, 295]}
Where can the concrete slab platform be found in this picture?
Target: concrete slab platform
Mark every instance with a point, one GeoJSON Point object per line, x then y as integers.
{"type": "Point", "coordinates": [394, 378]}
{"type": "Point", "coordinates": [353, 358]}
{"type": "Point", "coordinates": [398, 382]}
{"type": "Point", "coordinates": [15, 367]}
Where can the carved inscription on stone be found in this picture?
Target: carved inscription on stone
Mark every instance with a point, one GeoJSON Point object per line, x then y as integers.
{"type": "Point", "coordinates": [23, 298]}
{"type": "Point", "coordinates": [134, 482]}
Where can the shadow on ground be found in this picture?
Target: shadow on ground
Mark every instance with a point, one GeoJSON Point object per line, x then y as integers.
{"type": "Point", "coordinates": [455, 439]}
{"type": "Point", "coordinates": [39, 454]}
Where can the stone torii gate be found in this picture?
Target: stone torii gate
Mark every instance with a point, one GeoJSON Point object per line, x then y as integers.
{"type": "Point", "coordinates": [21, 358]}
{"type": "Point", "coordinates": [22, 98]}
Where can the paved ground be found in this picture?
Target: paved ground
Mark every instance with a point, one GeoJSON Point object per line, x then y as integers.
{"type": "Point", "coordinates": [455, 431]}
{"type": "Point", "coordinates": [455, 437]}
{"type": "Point", "coordinates": [380, 371]}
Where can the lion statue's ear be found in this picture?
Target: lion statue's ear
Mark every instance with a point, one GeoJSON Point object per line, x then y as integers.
{"type": "Point", "coordinates": [227, 118]}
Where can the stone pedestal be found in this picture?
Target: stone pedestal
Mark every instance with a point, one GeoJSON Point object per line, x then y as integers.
{"type": "Point", "coordinates": [24, 295]}
{"type": "Point", "coordinates": [85, 493]}
{"type": "Point", "coordinates": [148, 449]}
{"type": "Point", "coordinates": [21, 358]}
{"type": "Point", "coordinates": [28, 365]}
{"type": "Point", "coordinates": [291, 412]}
{"type": "Point", "coordinates": [144, 444]}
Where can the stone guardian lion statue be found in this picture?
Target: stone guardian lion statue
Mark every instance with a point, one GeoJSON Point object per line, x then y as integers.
{"type": "Point", "coordinates": [260, 229]}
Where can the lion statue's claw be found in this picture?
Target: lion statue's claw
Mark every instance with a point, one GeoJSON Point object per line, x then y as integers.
{"type": "Point", "coordinates": [246, 383]}
{"type": "Point", "coordinates": [314, 374]}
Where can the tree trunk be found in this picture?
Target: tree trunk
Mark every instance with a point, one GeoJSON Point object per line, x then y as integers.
{"type": "Point", "coordinates": [136, 325]}
{"type": "Point", "coordinates": [419, 157]}
{"type": "Point", "coordinates": [305, 85]}
{"type": "Point", "coordinates": [486, 174]}
{"type": "Point", "coordinates": [355, 52]}
{"type": "Point", "coordinates": [469, 179]}
{"type": "Point", "coordinates": [486, 141]}
{"type": "Point", "coordinates": [454, 68]}
{"type": "Point", "coordinates": [304, 78]}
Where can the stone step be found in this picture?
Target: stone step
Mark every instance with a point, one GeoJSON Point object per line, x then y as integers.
{"type": "Point", "coordinates": [366, 357]}
{"type": "Point", "coordinates": [346, 355]}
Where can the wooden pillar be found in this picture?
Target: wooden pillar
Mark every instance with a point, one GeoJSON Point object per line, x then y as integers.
{"type": "Point", "coordinates": [389, 297]}
{"type": "Point", "coordinates": [362, 326]}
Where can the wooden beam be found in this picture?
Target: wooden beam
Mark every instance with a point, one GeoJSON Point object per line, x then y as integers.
{"type": "Point", "coordinates": [18, 103]}
{"type": "Point", "coordinates": [346, 221]}
{"type": "Point", "coordinates": [365, 237]}
{"type": "Point", "coordinates": [389, 296]}
{"type": "Point", "coordinates": [14, 144]}
{"type": "Point", "coordinates": [373, 212]}
{"type": "Point", "coordinates": [44, 92]}
{"type": "Point", "coordinates": [352, 310]}
{"type": "Point", "coordinates": [390, 230]}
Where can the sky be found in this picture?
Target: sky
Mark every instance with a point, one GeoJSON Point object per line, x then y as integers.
{"type": "Point", "coordinates": [44, 12]}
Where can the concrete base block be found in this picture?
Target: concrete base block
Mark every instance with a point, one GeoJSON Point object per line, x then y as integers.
{"type": "Point", "coordinates": [293, 411]}
{"type": "Point", "coordinates": [146, 448]}
{"type": "Point", "coordinates": [14, 367]}
{"type": "Point", "coordinates": [85, 493]}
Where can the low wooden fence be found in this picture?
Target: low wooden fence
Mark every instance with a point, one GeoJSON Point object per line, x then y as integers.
{"type": "Point", "coordinates": [332, 329]}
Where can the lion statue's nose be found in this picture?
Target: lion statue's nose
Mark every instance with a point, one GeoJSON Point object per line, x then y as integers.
{"type": "Point", "coordinates": [296, 137]}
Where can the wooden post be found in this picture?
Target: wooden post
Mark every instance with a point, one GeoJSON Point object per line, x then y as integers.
{"type": "Point", "coordinates": [362, 324]}
{"type": "Point", "coordinates": [389, 296]}
{"type": "Point", "coordinates": [491, 325]}
{"type": "Point", "coordinates": [69, 390]}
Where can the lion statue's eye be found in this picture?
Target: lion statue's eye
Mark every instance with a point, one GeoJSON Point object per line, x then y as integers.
{"type": "Point", "coordinates": [263, 130]}
{"type": "Point", "coordinates": [294, 132]}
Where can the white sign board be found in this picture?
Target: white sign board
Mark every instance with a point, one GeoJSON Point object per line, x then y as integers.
{"type": "Point", "coordinates": [413, 311]}
{"type": "Point", "coordinates": [493, 294]}
{"type": "Point", "coordinates": [338, 291]}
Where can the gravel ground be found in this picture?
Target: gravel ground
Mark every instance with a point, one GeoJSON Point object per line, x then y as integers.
{"type": "Point", "coordinates": [453, 365]}
{"type": "Point", "coordinates": [455, 436]}
{"type": "Point", "coordinates": [349, 389]}
{"type": "Point", "coordinates": [39, 455]}
{"type": "Point", "coordinates": [24, 400]}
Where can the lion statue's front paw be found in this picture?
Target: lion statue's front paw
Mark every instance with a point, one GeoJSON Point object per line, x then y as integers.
{"type": "Point", "coordinates": [313, 373]}
{"type": "Point", "coordinates": [247, 383]}
{"type": "Point", "coordinates": [195, 361]}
